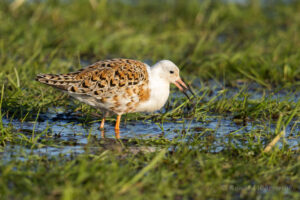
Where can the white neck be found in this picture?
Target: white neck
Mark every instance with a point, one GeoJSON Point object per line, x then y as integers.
{"type": "Point", "coordinates": [160, 89]}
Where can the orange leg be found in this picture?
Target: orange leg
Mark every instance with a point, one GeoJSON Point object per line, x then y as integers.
{"type": "Point", "coordinates": [102, 123]}
{"type": "Point", "coordinates": [117, 127]}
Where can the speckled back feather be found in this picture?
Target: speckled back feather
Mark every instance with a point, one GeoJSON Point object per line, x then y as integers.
{"type": "Point", "coordinates": [116, 85]}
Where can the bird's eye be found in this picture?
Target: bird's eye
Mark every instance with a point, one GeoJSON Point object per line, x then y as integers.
{"type": "Point", "coordinates": [171, 72]}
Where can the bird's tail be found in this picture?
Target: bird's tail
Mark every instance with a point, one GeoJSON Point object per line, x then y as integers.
{"type": "Point", "coordinates": [60, 81]}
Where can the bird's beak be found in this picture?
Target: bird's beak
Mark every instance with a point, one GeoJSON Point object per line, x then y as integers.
{"type": "Point", "coordinates": [183, 87]}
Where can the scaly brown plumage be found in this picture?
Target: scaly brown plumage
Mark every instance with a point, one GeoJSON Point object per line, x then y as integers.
{"type": "Point", "coordinates": [116, 85]}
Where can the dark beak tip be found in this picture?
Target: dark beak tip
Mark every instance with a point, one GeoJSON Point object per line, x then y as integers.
{"type": "Point", "coordinates": [184, 92]}
{"type": "Point", "coordinates": [191, 91]}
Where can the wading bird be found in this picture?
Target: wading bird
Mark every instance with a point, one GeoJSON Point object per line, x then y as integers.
{"type": "Point", "coordinates": [119, 86]}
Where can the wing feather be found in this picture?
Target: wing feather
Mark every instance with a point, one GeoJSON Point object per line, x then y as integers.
{"type": "Point", "coordinates": [101, 78]}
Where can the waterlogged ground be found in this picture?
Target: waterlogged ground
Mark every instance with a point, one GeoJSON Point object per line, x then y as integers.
{"type": "Point", "coordinates": [218, 137]}
{"type": "Point", "coordinates": [59, 132]}
{"type": "Point", "coordinates": [70, 137]}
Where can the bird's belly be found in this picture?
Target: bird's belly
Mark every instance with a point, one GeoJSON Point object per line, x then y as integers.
{"type": "Point", "coordinates": [117, 104]}
{"type": "Point", "coordinates": [88, 100]}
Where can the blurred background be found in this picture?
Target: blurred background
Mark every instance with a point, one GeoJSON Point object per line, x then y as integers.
{"type": "Point", "coordinates": [228, 40]}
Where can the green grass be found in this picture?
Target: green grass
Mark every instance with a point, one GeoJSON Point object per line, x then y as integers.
{"type": "Point", "coordinates": [246, 49]}
{"type": "Point", "coordinates": [185, 173]}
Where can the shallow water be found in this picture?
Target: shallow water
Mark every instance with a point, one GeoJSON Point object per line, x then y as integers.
{"type": "Point", "coordinates": [69, 137]}
{"type": "Point", "coordinates": [73, 138]}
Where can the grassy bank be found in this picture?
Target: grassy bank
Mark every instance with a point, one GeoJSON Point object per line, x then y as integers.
{"type": "Point", "coordinates": [180, 174]}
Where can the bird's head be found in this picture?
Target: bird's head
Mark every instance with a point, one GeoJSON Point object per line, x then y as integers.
{"type": "Point", "coordinates": [170, 72]}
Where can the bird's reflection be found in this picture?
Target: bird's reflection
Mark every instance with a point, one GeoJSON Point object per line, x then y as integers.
{"type": "Point", "coordinates": [117, 133]}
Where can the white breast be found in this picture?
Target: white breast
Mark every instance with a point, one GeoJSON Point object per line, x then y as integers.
{"type": "Point", "coordinates": [159, 93]}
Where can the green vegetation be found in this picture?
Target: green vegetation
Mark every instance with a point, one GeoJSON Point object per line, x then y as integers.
{"type": "Point", "coordinates": [250, 51]}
